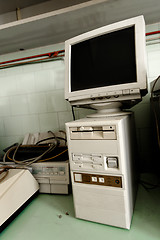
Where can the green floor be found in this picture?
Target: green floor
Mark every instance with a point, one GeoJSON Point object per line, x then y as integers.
{"type": "Point", "coordinates": [52, 217]}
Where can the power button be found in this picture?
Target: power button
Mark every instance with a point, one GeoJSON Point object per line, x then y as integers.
{"type": "Point", "coordinates": [117, 181]}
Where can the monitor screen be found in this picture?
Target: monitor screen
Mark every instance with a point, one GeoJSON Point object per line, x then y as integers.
{"type": "Point", "coordinates": [105, 60]}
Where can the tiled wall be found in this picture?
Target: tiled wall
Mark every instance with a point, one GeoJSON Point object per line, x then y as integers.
{"type": "Point", "coordinates": [32, 99]}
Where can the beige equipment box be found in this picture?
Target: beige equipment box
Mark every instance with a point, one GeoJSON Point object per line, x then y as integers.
{"type": "Point", "coordinates": [16, 188]}
{"type": "Point", "coordinates": [53, 177]}
{"type": "Point", "coordinates": [102, 152]}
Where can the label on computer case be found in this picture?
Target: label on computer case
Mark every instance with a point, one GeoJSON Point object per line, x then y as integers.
{"type": "Point", "coordinates": [96, 179]}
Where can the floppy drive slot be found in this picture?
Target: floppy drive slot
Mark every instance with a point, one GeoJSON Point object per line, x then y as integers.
{"type": "Point", "coordinates": [85, 132]}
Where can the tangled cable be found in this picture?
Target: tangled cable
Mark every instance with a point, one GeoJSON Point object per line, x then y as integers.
{"type": "Point", "coordinates": [51, 146]}
{"type": "Point", "coordinates": [29, 161]}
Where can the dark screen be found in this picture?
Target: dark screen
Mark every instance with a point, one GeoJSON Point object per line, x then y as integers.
{"type": "Point", "coordinates": [104, 60]}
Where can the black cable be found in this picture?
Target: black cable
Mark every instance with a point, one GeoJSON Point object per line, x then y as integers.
{"type": "Point", "coordinates": [154, 111]}
{"type": "Point", "coordinates": [148, 185]}
{"type": "Point", "coordinates": [73, 113]}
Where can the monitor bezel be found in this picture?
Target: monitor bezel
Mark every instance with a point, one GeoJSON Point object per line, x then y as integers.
{"type": "Point", "coordinates": [85, 96]}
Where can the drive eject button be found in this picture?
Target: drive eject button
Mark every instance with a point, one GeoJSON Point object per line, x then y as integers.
{"type": "Point", "coordinates": [112, 162]}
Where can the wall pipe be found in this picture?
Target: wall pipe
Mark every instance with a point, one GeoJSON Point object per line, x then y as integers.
{"type": "Point", "coordinates": [50, 54]}
{"type": "Point", "coordinates": [152, 33]}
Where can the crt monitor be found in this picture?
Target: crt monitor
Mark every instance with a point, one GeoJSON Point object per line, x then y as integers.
{"type": "Point", "coordinates": [107, 64]}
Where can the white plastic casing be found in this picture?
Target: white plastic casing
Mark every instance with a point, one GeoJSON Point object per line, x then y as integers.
{"type": "Point", "coordinates": [103, 158]}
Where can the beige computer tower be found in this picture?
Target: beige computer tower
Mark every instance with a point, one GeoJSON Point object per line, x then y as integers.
{"type": "Point", "coordinates": [102, 152]}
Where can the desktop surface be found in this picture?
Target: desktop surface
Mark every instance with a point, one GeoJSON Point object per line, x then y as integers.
{"type": "Point", "coordinates": [52, 217]}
